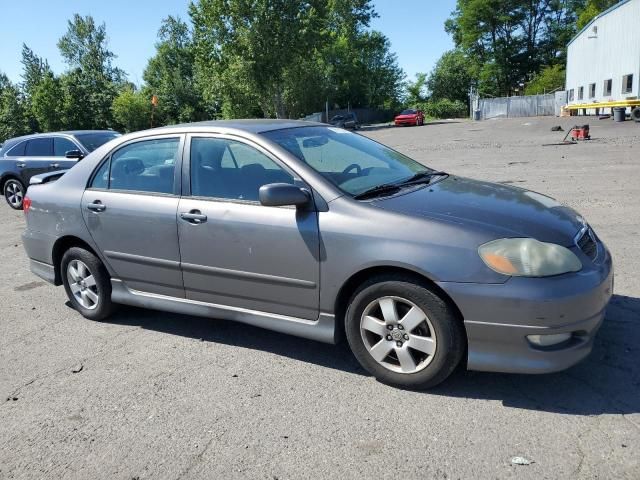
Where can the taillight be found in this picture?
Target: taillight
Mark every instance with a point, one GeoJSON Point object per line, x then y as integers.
{"type": "Point", "coordinates": [26, 205]}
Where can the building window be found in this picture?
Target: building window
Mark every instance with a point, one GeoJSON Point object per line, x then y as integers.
{"type": "Point", "coordinates": [627, 83]}
{"type": "Point", "coordinates": [580, 93]}
{"type": "Point", "coordinates": [592, 90]}
{"type": "Point", "coordinates": [571, 95]}
{"type": "Point", "coordinates": [606, 91]}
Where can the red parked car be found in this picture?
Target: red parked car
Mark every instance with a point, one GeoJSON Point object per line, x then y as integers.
{"type": "Point", "coordinates": [410, 117]}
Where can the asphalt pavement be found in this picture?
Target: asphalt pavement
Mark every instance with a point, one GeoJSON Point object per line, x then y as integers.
{"type": "Point", "coordinates": [152, 395]}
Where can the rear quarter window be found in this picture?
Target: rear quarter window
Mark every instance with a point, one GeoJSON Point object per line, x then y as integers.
{"type": "Point", "coordinates": [17, 150]}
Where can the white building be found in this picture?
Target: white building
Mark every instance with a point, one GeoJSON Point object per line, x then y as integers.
{"type": "Point", "coordinates": [603, 60]}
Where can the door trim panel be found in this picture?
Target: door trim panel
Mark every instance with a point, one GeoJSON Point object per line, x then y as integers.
{"type": "Point", "coordinates": [129, 257]}
{"type": "Point", "coordinates": [260, 277]}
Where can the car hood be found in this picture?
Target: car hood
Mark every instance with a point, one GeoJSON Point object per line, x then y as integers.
{"type": "Point", "coordinates": [402, 117]}
{"type": "Point", "coordinates": [502, 210]}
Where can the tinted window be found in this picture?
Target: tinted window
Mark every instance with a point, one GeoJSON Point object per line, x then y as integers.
{"type": "Point", "coordinates": [62, 145]}
{"type": "Point", "coordinates": [580, 93]}
{"type": "Point", "coordinates": [39, 147]}
{"type": "Point", "coordinates": [352, 162]}
{"type": "Point", "coordinates": [408, 112]}
{"type": "Point", "coordinates": [227, 169]}
{"type": "Point", "coordinates": [607, 87]}
{"type": "Point", "coordinates": [146, 166]}
{"type": "Point", "coordinates": [592, 90]}
{"type": "Point", "coordinates": [18, 150]}
{"type": "Point", "coordinates": [91, 141]}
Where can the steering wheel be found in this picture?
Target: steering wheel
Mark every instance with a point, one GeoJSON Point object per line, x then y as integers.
{"type": "Point", "coordinates": [352, 167]}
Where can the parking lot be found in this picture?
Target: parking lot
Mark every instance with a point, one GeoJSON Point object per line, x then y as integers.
{"type": "Point", "coordinates": [159, 395]}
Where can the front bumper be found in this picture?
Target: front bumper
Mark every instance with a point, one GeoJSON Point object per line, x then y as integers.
{"type": "Point", "coordinates": [499, 317]}
{"type": "Point", "coordinates": [406, 121]}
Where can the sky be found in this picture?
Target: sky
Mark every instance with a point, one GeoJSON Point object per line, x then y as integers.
{"type": "Point", "coordinates": [414, 27]}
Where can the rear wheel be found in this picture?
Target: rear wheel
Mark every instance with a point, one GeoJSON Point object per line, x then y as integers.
{"type": "Point", "coordinates": [403, 333]}
{"type": "Point", "coordinates": [87, 283]}
{"type": "Point", "coordinates": [635, 114]}
{"type": "Point", "coordinates": [14, 193]}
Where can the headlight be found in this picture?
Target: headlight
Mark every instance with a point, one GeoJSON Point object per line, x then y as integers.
{"type": "Point", "coordinates": [527, 257]}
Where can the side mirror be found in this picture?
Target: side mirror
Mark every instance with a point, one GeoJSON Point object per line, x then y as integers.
{"type": "Point", "coordinates": [74, 154]}
{"type": "Point", "coordinates": [282, 194]}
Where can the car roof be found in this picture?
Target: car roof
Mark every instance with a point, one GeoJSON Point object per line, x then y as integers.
{"type": "Point", "coordinates": [48, 134]}
{"type": "Point", "coordinates": [257, 125]}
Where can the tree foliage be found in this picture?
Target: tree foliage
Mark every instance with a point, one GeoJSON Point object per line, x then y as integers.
{"type": "Point", "coordinates": [451, 78]}
{"type": "Point", "coordinates": [231, 58]}
{"type": "Point", "coordinates": [509, 41]}
{"type": "Point", "coordinates": [170, 75]}
{"type": "Point", "coordinates": [548, 80]}
{"type": "Point", "coordinates": [132, 109]}
{"type": "Point", "coordinates": [591, 9]}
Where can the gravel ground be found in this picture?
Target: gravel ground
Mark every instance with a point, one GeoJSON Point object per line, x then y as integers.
{"type": "Point", "coordinates": [157, 395]}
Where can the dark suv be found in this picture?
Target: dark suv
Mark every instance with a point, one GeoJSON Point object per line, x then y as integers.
{"type": "Point", "coordinates": [23, 157]}
{"type": "Point", "coordinates": [346, 120]}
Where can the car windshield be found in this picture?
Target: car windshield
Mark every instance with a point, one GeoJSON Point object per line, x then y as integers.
{"type": "Point", "coordinates": [337, 117]}
{"type": "Point", "coordinates": [91, 141]}
{"type": "Point", "coordinates": [407, 112]}
{"type": "Point", "coordinates": [353, 163]}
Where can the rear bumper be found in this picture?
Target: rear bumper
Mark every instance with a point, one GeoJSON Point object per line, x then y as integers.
{"type": "Point", "coordinates": [43, 270]}
{"type": "Point", "coordinates": [498, 319]}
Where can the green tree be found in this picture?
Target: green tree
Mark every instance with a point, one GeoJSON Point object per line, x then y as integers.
{"type": "Point", "coordinates": [34, 71]}
{"type": "Point", "coordinates": [170, 75]}
{"type": "Point", "coordinates": [132, 109]}
{"type": "Point", "coordinates": [13, 120]}
{"type": "Point", "coordinates": [47, 102]}
{"type": "Point", "coordinates": [417, 90]}
{"type": "Point", "coordinates": [509, 41]}
{"type": "Point", "coordinates": [591, 10]}
{"type": "Point", "coordinates": [92, 81]}
{"type": "Point", "coordinates": [549, 79]}
{"type": "Point", "coordinates": [451, 78]}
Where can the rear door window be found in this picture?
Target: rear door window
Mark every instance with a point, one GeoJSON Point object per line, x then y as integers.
{"type": "Point", "coordinates": [39, 147]}
{"type": "Point", "coordinates": [144, 166]}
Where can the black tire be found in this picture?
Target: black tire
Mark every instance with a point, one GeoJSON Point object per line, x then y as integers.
{"type": "Point", "coordinates": [635, 114]}
{"type": "Point", "coordinates": [104, 307]}
{"type": "Point", "coordinates": [14, 192]}
{"type": "Point", "coordinates": [449, 332]}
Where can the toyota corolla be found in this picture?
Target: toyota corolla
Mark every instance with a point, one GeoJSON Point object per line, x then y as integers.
{"type": "Point", "coordinates": [318, 232]}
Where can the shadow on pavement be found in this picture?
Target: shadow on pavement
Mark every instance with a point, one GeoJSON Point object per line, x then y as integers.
{"type": "Point", "coordinates": [373, 128]}
{"type": "Point", "coordinates": [608, 381]}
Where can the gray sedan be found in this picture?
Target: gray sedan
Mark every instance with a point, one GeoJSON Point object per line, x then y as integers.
{"type": "Point", "coordinates": [314, 231]}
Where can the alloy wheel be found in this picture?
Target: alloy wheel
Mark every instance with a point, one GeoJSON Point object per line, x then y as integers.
{"type": "Point", "coordinates": [83, 284]}
{"type": "Point", "coordinates": [14, 193]}
{"type": "Point", "coordinates": [398, 334]}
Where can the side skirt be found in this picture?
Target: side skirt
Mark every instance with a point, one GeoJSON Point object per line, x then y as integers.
{"type": "Point", "coordinates": [322, 330]}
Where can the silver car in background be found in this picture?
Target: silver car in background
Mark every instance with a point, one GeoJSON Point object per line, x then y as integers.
{"type": "Point", "coordinates": [317, 232]}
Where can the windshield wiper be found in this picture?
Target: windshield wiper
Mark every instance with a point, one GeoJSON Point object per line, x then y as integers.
{"type": "Point", "coordinates": [421, 177]}
{"type": "Point", "coordinates": [379, 190]}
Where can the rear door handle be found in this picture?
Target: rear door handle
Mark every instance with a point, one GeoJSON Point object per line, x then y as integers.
{"type": "Point", "coordinates": [54, 165]}
{"type": "Point", "coordinates": [194, 216]}
{"type": "Point", "coordinates": [96, 206]}
{"type": "Point", "coordinates": [21, 164]}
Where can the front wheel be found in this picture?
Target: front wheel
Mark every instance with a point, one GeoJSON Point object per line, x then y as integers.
{"type": "Point", "coordinates": [87, 283]}
{"type": "Point", "coordinates": [14, 193]}
{"type": "Point", "coordinates": [403, 333]}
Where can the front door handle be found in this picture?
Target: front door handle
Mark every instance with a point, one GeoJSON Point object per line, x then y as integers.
{"type": "Point", "coordinates": [96, 206]}
{"type": "Point", "coordinates": [54, 165]}
{"type": "Point", "coordinates": [194, 216]}
{"type": "Point", "coordinates": [21, 164]}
